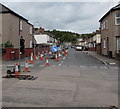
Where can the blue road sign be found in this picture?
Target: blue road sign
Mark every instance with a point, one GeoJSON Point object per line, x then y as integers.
{"type": "Point", "coordinates": [54, 49]}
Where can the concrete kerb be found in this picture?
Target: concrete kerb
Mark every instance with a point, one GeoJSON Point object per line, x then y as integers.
{"type": "Point", "coordinates": [98, 59]}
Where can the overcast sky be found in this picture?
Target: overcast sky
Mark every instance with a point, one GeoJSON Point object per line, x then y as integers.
{"type": "Point", "coordinates": [79, 17]}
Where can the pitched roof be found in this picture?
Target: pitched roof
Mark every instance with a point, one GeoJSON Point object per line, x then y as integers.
{"type": "Point", "coordinates": [4, 9]}
{"type": "Point", "coordinates": [117, 7]}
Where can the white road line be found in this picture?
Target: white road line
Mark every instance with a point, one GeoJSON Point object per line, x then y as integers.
{"type": "Point", "coordinates": [64, 58]}
{"type": "Point", "coordinates": [42, 65]}
{"type": "Point", "coordinates": [60, 64]}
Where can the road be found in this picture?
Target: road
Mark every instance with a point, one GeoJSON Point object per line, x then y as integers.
{"type": "Point", "coordinates": [76, 80]}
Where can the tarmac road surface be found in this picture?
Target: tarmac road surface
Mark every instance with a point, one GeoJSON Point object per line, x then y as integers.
{"type": "Point", "coordinates": [76, 80]}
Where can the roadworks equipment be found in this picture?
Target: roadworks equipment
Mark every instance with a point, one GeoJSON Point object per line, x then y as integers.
{"type": "Point", "coordinates": [41, 56]}
{"type": "Point", "coordinates": [47, 62]}
{"type": "Point", "coordinates": [31, 58]}
{"type": "Point", "coordinates": [16, 69]}
{"type": "Point", "coordinates": [56, 57]}
{"type": "Point", "coordinates": [26, 67]}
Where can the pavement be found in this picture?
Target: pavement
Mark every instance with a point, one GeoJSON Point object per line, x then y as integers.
{"type": "Point", "coordinates": [103, 59]}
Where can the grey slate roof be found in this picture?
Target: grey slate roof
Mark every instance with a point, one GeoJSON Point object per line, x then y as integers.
{"type": "Point", "coordinates": [117, 7]}
{"type": "Point", "coordinates": [4, 9]}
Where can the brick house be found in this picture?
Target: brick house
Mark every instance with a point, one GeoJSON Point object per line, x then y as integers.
{"type": "Point", "coordinates": [110, 32]}
{"type": "Point", "coordinates": [13, 27]}
{"type": "Point", "coordinates": [93, 43]}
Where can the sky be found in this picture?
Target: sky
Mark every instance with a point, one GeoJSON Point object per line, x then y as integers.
{"type": "Point", "coordinates": [78, 17]}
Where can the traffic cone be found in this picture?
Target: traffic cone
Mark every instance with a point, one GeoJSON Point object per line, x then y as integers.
{"type": "Point", "coordinates": [41, 56]}
{"type": "Point", "coordinates": [59, 55]}
{"type": "Point", "coordinates": [47, 62]}
{"type": "Point", "coordinates": [34, 56]}
{"type": "Point", "coordinates": [65, 53]}
{"type": "Point", "coordinates": [26, 67]}
{"type": "Point", "coordinates": [16, 70]}
{"type": "Point", "coordinates": [31, 58]}
{"type": "Point", "coordinates": [38, 54]}
{"type": "Point", "coordinates": [56, 57]}
{"type": "Point", "coordinates": [50, 53]}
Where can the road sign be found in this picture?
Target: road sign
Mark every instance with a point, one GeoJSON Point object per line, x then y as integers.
{"type": "Point", "coordinates": [54, 49]}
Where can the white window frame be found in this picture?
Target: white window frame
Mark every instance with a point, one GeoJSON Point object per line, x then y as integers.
{"type": "Point", "coordinates": [117, 41]}
{"type": "Point", "coordinates": [104, 43]}
{"type": "Point", "coordinates": [102, 26]}
{"type": "Point", "coordinates": [31, 30]}
{"type": "Point", "coordinates": [116, 19]}
{"type": "Point", "coordinates": [21, 25]}
{"type": "Point", "coordinates": [106, 24]}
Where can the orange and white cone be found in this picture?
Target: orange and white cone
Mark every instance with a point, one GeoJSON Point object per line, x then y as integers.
{"type": "Point", "coordinates": [38, 53]}
{"type": "Point", "coordinates": [47, 62]}
{"type": "Point", "coordinates": [56, 57]}
{"type": "Point", "coordinates": [59, 55]}
{"type": "Point", "coordinates": [41, 56]}
{"type": "Point", "coordinates": [50, 53]}
{"type": "Point", "coordinates": [26, 67]}
{"type": "Point", "coordinates": [31, 58]}
{"type": "Point", "coordinates": [35, 57]}
{"type": "Point", "coordinates": [16, 70]}
{"type": "Point", "coordinates": [67, 51]}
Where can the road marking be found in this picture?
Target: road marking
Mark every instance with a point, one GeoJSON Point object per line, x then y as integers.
{"type": "Point", "coordinates": [112, 63]}
{"type": "Point", "coordinates": [42, 65]}
{"type": "Point", "coordinates": [82, 66]}
{"type": "Point", "coordinates": [64, 58]}
{"type": "Point", "coordinates": [60, 64]}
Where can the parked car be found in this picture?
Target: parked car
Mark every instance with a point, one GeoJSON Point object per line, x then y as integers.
{"type": "Point", "coordinates": [79, 48]}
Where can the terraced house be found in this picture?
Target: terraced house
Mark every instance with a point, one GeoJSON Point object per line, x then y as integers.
{"type": "Point", "coordinates": [13, 27]}
{"type": "Point", "coordinates": [110, 32]}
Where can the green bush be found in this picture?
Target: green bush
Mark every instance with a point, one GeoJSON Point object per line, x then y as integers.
{"type": "Point", "coordinates": [8, 44]}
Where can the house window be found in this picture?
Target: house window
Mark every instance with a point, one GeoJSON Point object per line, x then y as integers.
{"type": "Point", "coordinates": [118, 44]}
{"type": "Point", "coordinates": [117, 19]}
{"type": "Point", "coordinates": [104, 43]}
{"type": "Point", "coordinates": [31, 30]}
{"type": "Point", "coordinates": [103, 25]}
{"type": "Point", "coordinates": [106, 24]}
{"type": "Point", "coordinates": [21, 25]}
